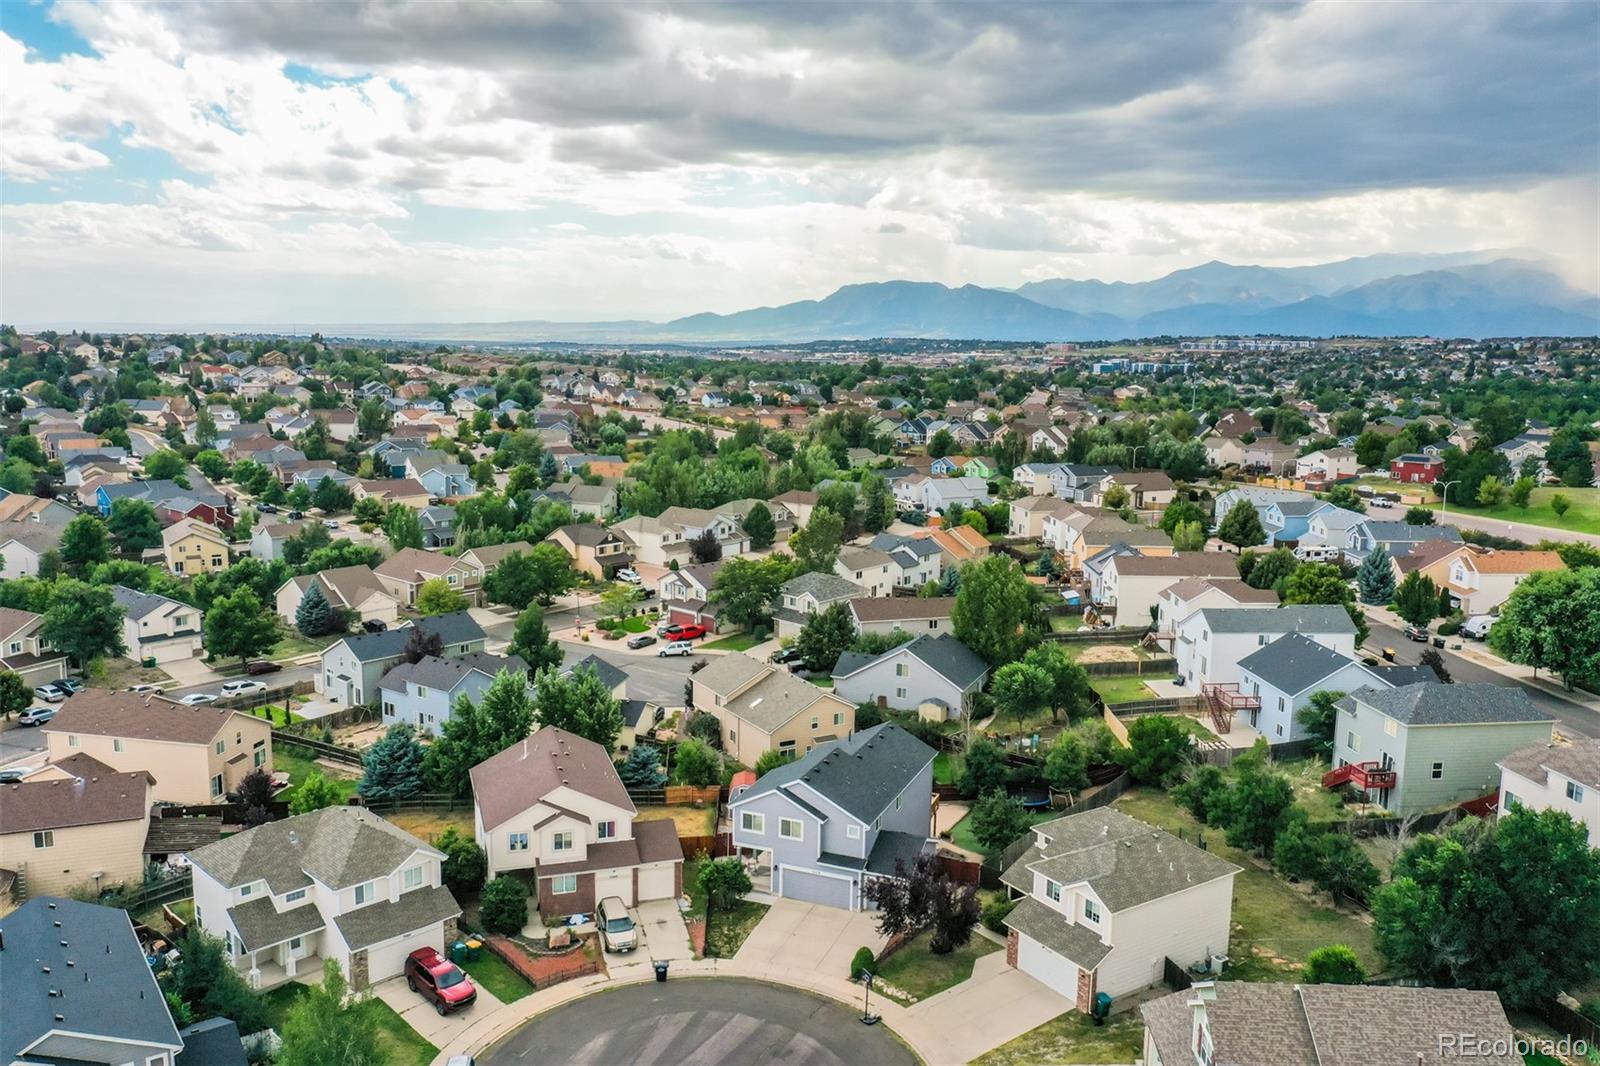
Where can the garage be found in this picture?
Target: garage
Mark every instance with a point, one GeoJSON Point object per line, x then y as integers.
{"type": "Point", "coordinates": [679, 616]}
{"type": "Point", "coordinates": [166, 651]}
{"type": "Point", "coordinates": [615, 882]}
{"type": "Point", "coordinates": [1046, 967]}
{"type": "Point", "coordinates": [389, 959]}
{"type": "Point", "coordinates": [657, 881]}
{"type": "Point", "coordinates": [814, 887]}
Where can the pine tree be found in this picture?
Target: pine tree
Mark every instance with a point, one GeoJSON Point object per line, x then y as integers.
{"type": "Point", "coordinates": [1375, 577]}
{"type": "Point", "coordinates": [642, 769]}
{"type": "Point", "coordinates": [315, 614]}
{"type": "Point", "coordinates": [393, 765]}
{"type": "Point", "coordinates": [547, 469]}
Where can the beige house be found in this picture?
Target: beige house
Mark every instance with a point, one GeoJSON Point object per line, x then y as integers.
{"type": "Point", "coordinates": [479, 563]}
{"type": "Point", "coordinates": [1101, 533]}
{"type": "Point", "coordinates": [1029, 512]}
{"type": "Point", "coordinates": [404, 572]}
{"type": "Point", "coordinates": [1480, 581]}
{"type": "Point", "coordinates": [402, 490]}
{"type": "Point", "coordinates": [193, 547]}
{"type": "Point", "coordinates": [200, 752]}
{"type": "Point", "coordinates": [159, 628]}
{"type": "Point", "coordinates": [1131, 585]}
{"type": "Point", "coordinates": [23, 653]}
{"type": "Point", "coordinates": [660, 540]}
{"type": "Point", "coordinates": [765, 708]}
{"type": "Point", "coordinates": [349, 588]}
{"type": "Point", "coordinates": [872, 571]}
{"type": "Point", "coordinates": [594, 550]}
{"type": "Point", "coordinates": [76, 824]}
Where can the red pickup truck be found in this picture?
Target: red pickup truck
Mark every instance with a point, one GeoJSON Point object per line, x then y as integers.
{"type": "Point", "coordinates": [440, 981]}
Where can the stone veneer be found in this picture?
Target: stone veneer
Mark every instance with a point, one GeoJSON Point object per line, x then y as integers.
{"type": "Point", "coordinates": [1013, 938]}
{"type": "Point", "coordinates": [358, 970]}
{"type": "Point", "coordinates": [1085, 990]}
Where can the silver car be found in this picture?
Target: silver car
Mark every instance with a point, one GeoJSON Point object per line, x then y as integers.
{"type": "Point", "coordinates": [616, 925]}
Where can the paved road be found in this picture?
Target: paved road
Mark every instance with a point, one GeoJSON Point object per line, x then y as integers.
{"type": "Point", "coordinates": [287, 676]}
{"type": "Point", "coordinates": [650, 678]}
{"type": "Point", "coordinates": [19, 742]}
{"type": "Point", "coordinates": [704, 1021]}
{"type": "Point", "coordinates": [1573, 719]}
{"type": "Point", "coordinates": [1499, 527]}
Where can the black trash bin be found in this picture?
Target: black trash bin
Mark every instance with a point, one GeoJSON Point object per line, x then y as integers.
{"type": "Point", "coordinates": [661, 970]}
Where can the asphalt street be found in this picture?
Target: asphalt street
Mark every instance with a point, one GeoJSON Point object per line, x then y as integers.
{"type": "Point", "coordinates": [704, 1021]}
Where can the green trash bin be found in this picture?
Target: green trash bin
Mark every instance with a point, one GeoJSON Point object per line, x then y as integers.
{"type": "Point", "coordinates": [474, 948]}
{"type": "Point", "coordinates": [149, 662]}
{"type": "Point", "coordinates": [458, 952]}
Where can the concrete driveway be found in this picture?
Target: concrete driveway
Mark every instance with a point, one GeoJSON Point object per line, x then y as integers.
{"type": "Point", "coordinates": [809, 936]}
{"type": "Point", "coordinates": [662, 935]}
{"type": "Point", "coordinates": [189, 672]}
{"type": "Point", "coordinates": [1008, 1001]}
{"type": "Point", "coordinates": [420, 1015]}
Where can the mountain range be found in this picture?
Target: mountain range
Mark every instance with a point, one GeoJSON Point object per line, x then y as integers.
{"type": "Point", "coordinates": [1449, 295]}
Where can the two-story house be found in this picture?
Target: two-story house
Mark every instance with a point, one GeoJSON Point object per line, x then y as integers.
{"type": "Point", "coordinates": [407, 570]}
{"type": "Point", "coordinates": [1565, 777]}
{"type": "Point", "coordinates": [1027, 515]}
{"type": "Point", "coordinates": [928, 670]}
{"type": "Point", "coordinates": [819, 827]}
{"type": "Point", "coordinates": [1211, 641]}
{"type": "Point", "coordinates": [1397, 538]}
{"type": "Point", "coordinates": [870, 570]}
{"type": "Point", "coordinates": [23, 544]}
{"type": "Point", "coordinates": [554, 805]}
{"type": "Point", "coordinates": [79, 988]}
{"type": "Point", "coordinates": [73, 825]}
{"type": "Point", "coordinates": [811, 593]}
{"type": "Point", "coordinates": [353, 589]}
{"type": "Point", "coordinates": [1181, 599]}
{"type": "Point", "coordinates": [1424, 745]}
{"type": "Point", "coordinates": [942, 494]}
{"type": "Point", "coordinates": [337, 884]}
{"type": "Point", "coordinates": [764, 708]}
{"type": "Point", "coordinates": [594, 550]}
{"type": "Point", "coordinates": [1105, 899]}
{"type": "Point", "coordinates": [24, 653]}
{"type": "Point", "coordinates": [918, 560]}
{"type": "Point", "coordinates": [443, 479]}
{"type": "Point", "coordinates": [685, 594]}
{"type": "Point", "coordinates": [198, 753]}
{"type": "Point", "coordinates": [1284, 675]}
{"type": "Point", "coordinates": [158, 627]}
{"type": "Point", "coordinates": [268, 538]}
{"type": "Point", "coordinates": [480, 562]}
{"type": "Point", "coordinates": [660, 540]}
{"type": "Point", "coordinates": [916, 615]}
{"type": "Point", "coordinates": [423, 694]}
{"type": "Point", "coordinates": [1131, 584]}
{"type": "Point", "coordinates": [1327, 464]}
{"type": "Point", "coordinates": [1480, 581]}
{"type": "Point", "coordinates": [352, 666]}
{"type": "Point", "coordinates": [193, 547]}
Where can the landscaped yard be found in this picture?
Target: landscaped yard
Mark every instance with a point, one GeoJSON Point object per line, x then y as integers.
{"type": "Point", "coordinates": [1121, 689]}
{"type": "Point", "coordinates": [1584, 517]}
{"type": "Point", "coordinates": [1275, 924]}
{"type": "Point", "coordinates": [298, 763]}
{"type": "Point", "coordinates": [737, 642]}
{"type": "Point", "coordinates": [691, 821]}
{"type": "Point", "coordinates": [961, 833]}
{"type": "Point", "coordinates": [1194, 727]}
{"type": "Point", "coordinates": [1065, 623]}
{"type": "Point", "coordinates": [489, 971]}
{"type": "Point", "coordinates": [920, 973]}
{"type": "Point", "coordinates": [821, 682]}
{"type": "Point", "coordinates": [944, 769]}
{"type": "Point", "coordinates": [276, 714]}
{"type": "Point", "coordinates": [401, 1045]}
{"type": "Point", "coordinates": [1073, 1038]}
{"type": "Point", "coordinates": [728, 929]}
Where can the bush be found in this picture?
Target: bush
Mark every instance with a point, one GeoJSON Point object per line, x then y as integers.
{"type": "Point", "coordinates": [696, 764]}
{"type": "Point", "coordinates": [984, 769]}
{"type": "Point", "coordinates": [465, 864]}
{"type": "Point", "coordinates": [862, 962]}
{"type": "Point", "coordinates": [1334, 964]}
{"type": "Point", "coordinates": [995, 911]}
{"type": "Point", "coordinates": [723, 882]}
{"type": "Point", "coordinates": [705, 727]}
{"type": "Point", "coordinates": [868, 715]}
{"type": "Point", "coordinates": [504, 905]}
{"type": "Point", "coordinates": [771, 760]}
{"type": "Point", "coordinates": [1201, 791]}
{"type": "Point", "coordinates": [997, 820]}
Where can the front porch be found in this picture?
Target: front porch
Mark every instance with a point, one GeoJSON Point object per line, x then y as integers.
{"type": "Point", "coordinates": [758, 864]}
{"type": "Point", "coordinates": [270, 974]}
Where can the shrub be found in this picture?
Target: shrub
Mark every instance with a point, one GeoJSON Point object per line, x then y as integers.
{"type": "Point", "coordinates": [862, 962]}
{"type": "Point", "coordinates": [771, 760]}
{"type": "Point", "coordinates": [723, 882]}
{"type": "Point", "coordinates": [465, 863]}
{"type": "Point", "coordinates": [1201, 791]}
{"type": "Point", "coordinates": [706, 727]}
{"type": "Point", "coordinates": [504, 905]}
{"type": "Point", "coordinates": [998, 819]}
{"type": "Point", "coordinates": [995, 912]}
{"type": "Point", "coordinates": [696, 764]}
{"type": "Point", "coordinates": [1334, 964]}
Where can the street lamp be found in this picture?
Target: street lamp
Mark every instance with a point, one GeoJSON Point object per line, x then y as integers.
{"type": "Point", "coordinates": [867, 1017]}
{"type": "Point", "coordinates": [1133, 463]}
{"type": "Point", "coordinates": [1444, 497]}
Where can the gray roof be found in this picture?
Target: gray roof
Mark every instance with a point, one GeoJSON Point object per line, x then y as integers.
{"type": "Point", "coordinates": [213, 1042]}
{"type": "Point", "coordinates": [943, 654]}
{"type": "Point", "coordinates": [456, 627]}
{"type": "Point", "coordinates": [1124, 861]}
{"type": "Point", "coordinates": [339, 846]}
{"type": "Point", "coordinates": [1579, 760]}
{"type": "Point", "coordinates": [610, 676]}
{"type": "Point", "coordinates": [892, 848]}
{"type": "Point", "coordinates": [1407, 533]}
{"type": "Point", "coordinates": [376, 922]}
{"type": "Point", "coordinates": [137, 604]}
{"type": "Point", "coordinates": [1037, 921]}
{"type": "Point", "coordinates": [1293, 663]}
{"type": "Point", "coordinates": [861, 774]}
{"type": "Point", "coordinates": [823, 587]}
{"type": "Point", "coordinates": [92, 943]}
{"type": "Point", "coordinates": [1474, 704]}
{"type": "Point", "coordinates": [434, 672]}
{"type": "Point", "coordinates": [1303, 617]}
{"type": "Point", "coordinates": [923, 547]}
{"type": "Point", "coordinates": [261, 925]}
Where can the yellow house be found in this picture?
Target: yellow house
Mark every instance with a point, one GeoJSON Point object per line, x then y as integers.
{"type": "Point", "coordinates": [193, 547]}
{"type": "Point", "coordinates": [764, 708]}
{"type": "Point", "coordinates": [75, 824]}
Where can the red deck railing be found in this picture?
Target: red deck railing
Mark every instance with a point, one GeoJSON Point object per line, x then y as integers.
{"type": "Point", "coordinates": [1365, 775]}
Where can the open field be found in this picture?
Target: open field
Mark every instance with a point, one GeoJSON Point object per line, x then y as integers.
{"type": "Point", "coordinates": [1584, 517]}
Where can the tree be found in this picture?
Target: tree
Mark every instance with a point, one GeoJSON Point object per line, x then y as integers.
{"type": "Point", "coordinates": [421, 644]}
{"type": "Point", "coordinates": [995, 614]}
{"type": "Point", "coordinates": [503, 905]}
{"type": "Point", "coordinates": [1267, 571]}
{"type": "Point", "coordinates": [1116, 498]}
{"type": "Point", "coordinates": [1521, 493]}
{"type": "Point", "coordinates": [746, 588]}
{"type": "Point", "coordinates": [1069, 682]}
{"type": "Point", "coordinates": [1158, 747]}
{"type": "Point", "coordinates": [1420, 516]}
{"type": "Point", "coordinates": [530, 641]}
{"type": "Point", "coordinates": [1506, 905]}
{"type": "Point", "coordinates": [299, 496]}
{"type": "Point", "coordinates": [1256, 806]}
{"type": "Point", "coordinates": [760, 527]}
{"type": "Point", "coordinates": [723, 882]}
{"type": "Point", "coordinates": [580, 703]}
{"type": "Point", "coordinates": [26, 448]}
{"type": "Point", "coordinates": [1375, 577]}
{"type": "Point", "coordinates": [1020, 690]}
{"type": "Point", "coordinates": [133, 525]}
{"type": "Point", "coordinates": [403, 528]}
{"type": "Point", "coordinates": [1325, 583]}
{"type": "Point", "coordinates": [1066, 763]}
{"type": "Point", "coordinates": [1320, 716]}
{"type": "Point", "coordinates": [997, 820]}
{"type": "Point", "coordinates": [15, 695]}
{"type": "Point", "coordinates": [298, 548]}
{"type": "Point", "coordinates": [164, 465]}
{"type": "Point", "coordinates": [1416, 599]}
{"type": "Point", "coordinates": [314, 793]}
{"type": "Point", "coordinates": [922, 896]}
{"type": "Point", "coordinates": [314, 617]}
{"type": "Point", "coordinates": [877, 504]}
{"type": "Point", "coordinates": [816, 545]}
{"type": "Point", "coordinates": [983, 768]}
{"type": "Point", "coordinates": [941, 445]}
{"type": "Point", "coordinates": [1560, 504]}
{"type": "Point", "coordinates": [1552, 621]}
{"type": "Point", "coordinates": [771, 759]}
{"type": "Point", "coordinates": [393, 766]}
{"type": "Point", "coordinates": [373, 419]}
{"type": "Point", "coordinates": [255, 792]}
{"type": "Point", "coordinates": [1241, 527]}
{"type": "Point", "coordinates": [476, 730]}
{"type": "Point", "coordinates": [82, 621]}
{"type": "Point", "coordinates": [1435, 662]}
{"type": "Point", "coordinates": [331, 497]}
{"type": "Point", "coordinates": [705, 727]}
{"type": "Point", "coordinates": [84, 542]}
{"type": "Point", "coordinates": [207, 982]}
{"type": "Point", "coordinates": [642, 768]}
{"type": "Point", "coordinates": [237, 624]}
{"type": "Point", "coordinates": [1189, 537]}
{"type": "Point", "coordinates": [438, 596]}
{"type": "Point", "coordinates": [1343, 869]}
{"type": "Point", "coordinates": [515, 582]}
{"type": "Point", "coordinates": [1344, 496]}
{"type": "Point", "coordinates": [550, 573]}
{"type": "Point", "coordinates": [705, 548]}
{"type": "Point", "coordinates": [465, 863]}
{"type": "Point", "coordinates": [1491, 490]}
{"type": "Point", "coordinates": [825, 636]}
{"type": "Point", "coordinates": [1334, 964]}
{"type": "Point", "coordinates": [694, 763]}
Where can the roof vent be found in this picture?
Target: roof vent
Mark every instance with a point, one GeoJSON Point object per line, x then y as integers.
{"type": "Point", "coordinates": [60, 1017]}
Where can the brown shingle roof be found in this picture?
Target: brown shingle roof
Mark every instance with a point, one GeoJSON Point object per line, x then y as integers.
{"type": "Point", "coordinates": [901, 608]}
{"type": "Point", "coordinates": [1188, 564]}
{"type": "Point", "coordinates": [94, 795]}
{"type": "Point", "coordinates": [101, 712]}
{"type": "Point", "coordinates": [508, 783]}
{"type": "Point", "coordinates": [410, 563]}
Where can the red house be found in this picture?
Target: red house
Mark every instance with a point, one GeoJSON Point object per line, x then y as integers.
{"type": "Point", "coordinates": [1417, 469]}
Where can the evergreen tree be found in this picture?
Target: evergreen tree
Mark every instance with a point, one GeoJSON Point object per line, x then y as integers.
{"type": "Point", "coordinates": [642, 768]}
{"type": "Point", "coordinates": [547, 470]}
{"type": "Point", "coordinates": [393, 765]}
{"type": "Point", "coordinates": [760, 526]}
{"type": "Point", "coordinates": [1375, 577]}
{"type": "Point", "coordinates": [580, 703]}
{"type": "Point", "coordinates": [1416, 599]}
{"type": "Point", "coordinates": [314, 616]}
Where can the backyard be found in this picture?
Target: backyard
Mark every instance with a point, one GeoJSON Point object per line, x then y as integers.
{"type": "Point", "coordinates": [961, 833]}
{"type": "Point", "coordinates": [431, 825]}
{"type": "Point", "coordinates": [919, 973]}
{"type": "Point", "coordinates": [1065, 623]}
{"type": "Point", "coordinates": [691, 821]}
{"type": "Point", "coordinates": [1073, 1038]}
{"type": "Point", "coordinates": [298, 763]}
{"type": "Point", "coordinates": [401, 1044]}
{"type": "Point", "coordinates": [1121, 689]}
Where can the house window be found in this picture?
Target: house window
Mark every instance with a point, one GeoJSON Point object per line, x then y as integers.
{"type": "Point", "coordinates": [1391, 727]}
{"type": "Point", "coordinates": [791, 829]}
{"type": "Point", "coordinates": [1052, 891]}
{"type": "Point", "coordinates": [216, 786]}
{"type": "Point", "coordinates": [245, 890]}
{"type": "Point", "coordinates": [606, 830]}
{"type": "Point", "coordinates": [261, 753]}
{"type": "Point", "coordinates": [388, 709]}
{"type": "Point", "coordinates": [1438, 771]}
{"type": "Point", "coordinates": [751, 822]}
{"type": "Point", "coordinates": [838, 718]}
{"type": "Point", "coordinates": [900, 693]}
{"type": "Point", "coordinates": [517, 842]}
{"type": "Point", "coordinates": [1352, 740]}
{"type": "Point", "coordinates": [853, 832]}
{"type": "Point", "coordinates": [364, 894]}
{"type": "Point", "coordinates": [564, 884]}
{"type": "Point", "coordinates": [786, 746]}
{"type": "Point", "coordinates": [45, 839]}
{"type": "Point", "coordinates": [1574, 792]}
{"type": "Point", "coordinates": [72, 740]}
{"type": "Point", "coordinates": [901, 670]}
{"type": "Point", "coordinates": [411, 878]}
{"type": "Point", "coordinates": [1091, 911]}
{"type": "Point", "coordinates": [815, 721]}
{"type": "Point", "coordinates": [220, 746]}
{"type": "Point", "coordinates": [562, 841]}
{"type": "Point", "coordinates": [295, 897]}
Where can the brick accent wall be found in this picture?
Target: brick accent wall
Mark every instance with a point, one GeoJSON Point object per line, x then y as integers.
{"type": "Point", "coordinates": [552, 905]}
{"type": "Point", "coordinates": [358, 970]}
{"type": "Point", "coordinates": [452, 933]}
{"type": "Point", "coordinates": [1013, 939]}
{"type": "Point", "coordinates": [1085, 990]}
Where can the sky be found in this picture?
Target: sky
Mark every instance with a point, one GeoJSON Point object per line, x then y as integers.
{"type": "Point", "coordinates": [317, 164]}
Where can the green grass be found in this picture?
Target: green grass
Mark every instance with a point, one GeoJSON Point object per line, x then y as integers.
{"type": "Point", "coordinates": [1322, 804]}
{"type": "Point", "coordinates": [737, 642]}
{"type": "Point", "coordinates": [298, 764]}
{"type": "Point", "coordinates": [276, 715]}
{"type": "Point", "coordinates": [1194, 727]}
{"type": "Point", "coordinates": [821, 682]}
{"type": "Point", "coordinates": [1121, 689]}
{"type": "Point", "coordinates": [1539, 1058]}
{"type": "Point", "coordinates": [1275, 925]}
{"type": "Point", "coordinates": [292, 645]}
{"type": "Point", "coordinates": [1065, 623]}
{"type": "Point", "coordinates": [730, 928]}
{"type": "Point", "coordinates": [399, 1043]}
{"type": "Point", "coordinates": [488, 971]}
{"type": "Point", "coordinates": [944, 769]}
{"type": "Point", "coordinates": [1584, 517]}
{"type": "Point", "coordinates": [961, 833]}
{"type": "Point", "coordinates": [1072, 1038]}
{"type": "Point", "coordinates": [920, 973]}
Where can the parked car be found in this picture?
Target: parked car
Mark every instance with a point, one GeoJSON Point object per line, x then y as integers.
{"type": "Point", "coordinates": [36, 716]}
{"type": "Point", "coordinates": [617, 930]}
{"type": "Point", "coordinates": [144, 690]}
{"type": "Point", "coordinates": [643, 640]}
{"type": "Point", "coordinates": [13, 775]}
{"type": "Point", "coordinates": [630, 575]}
{"type": "Point", "coordinates": [266, 508]}
{"type": "Point", "coordinates": [676, 648]}
{"type": "Point", "coordinates": [671, 629]}
{"type": "Point", "coordinates": [690, 632]}
{"type": "Point", "coordinates": [242, 688]}
{"type": "Point", "coordinates": [1477, 627]}
{"type": "Point", "coordinates": [72, 685]}
{"type": "Point", "coordinates": [295, 516]}
{"type": "Point", "coordinates": [330, 523]}
{"type": "Point", "coordinates": [195, 699]}
{"type": "Point", "coordinates": [263, 666]}
{"type": "Point", "coordinates": [375, 625]}
{"type": "Point", "coordinates": [51, 693]}
{"type": "Point", "coordinates": [1417, 633]}
{"type": "Point", "coordinates": [790, 654]}
{"type": "Point", "coordinates": [439, 980]}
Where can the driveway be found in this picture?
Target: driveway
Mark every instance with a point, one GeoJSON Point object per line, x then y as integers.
{"type": "Point", "coordinates": [420, 1015]}
{"type": "Point", "coordinates": [1008, 1002]}
{"type": "Point", "coordinates": [809, 936]}
{"type": "Point", "coordinates": [663, 937]}
{"type": "Point", "coordinates": [188, 672]}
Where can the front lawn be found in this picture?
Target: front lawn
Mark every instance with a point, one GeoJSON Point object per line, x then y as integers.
{"type": "Point", "coordinates": [961, 833]}
{"type": "Point", "coordinates": [1121, 689]}
{"type": "Point", "coordinates": [299, 763]}
{"type": "Point", "coordinates": [1275, 924]}
{"type": "Point", "coordinates": [690, 821]}
{"type": "Point", "coordinates": [729, 929]}
{"type": "Point", "coordinates": [737, 642]}
{"type": "Point", "coordinates": [920, 973]}
{"type": "Point", "coordinates": [490, 972]}
{"type": "Point", "coordinates": [400, 1044]}
{"type": "Point", "coordinates": [1072, 1038]}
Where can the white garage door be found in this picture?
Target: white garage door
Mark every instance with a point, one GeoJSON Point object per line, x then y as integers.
{"type": "Point", "coordinates": [389, 959]}
{"type": "Point", "coordinates": [1045, 966]}
{"type": "Point", "coordinates": [815, 888]}
{"type": "Point", "coordinates": [168, 651]}
{"type": "Point", "coordinates": [656, 881]}
{"type": "Point", "coordinates": [613, 883]}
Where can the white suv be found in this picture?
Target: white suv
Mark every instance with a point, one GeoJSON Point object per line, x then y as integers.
{"type": "Point", "coordinates": [242, 688]}
{"type": "Point", "coordinates": [677, 647]}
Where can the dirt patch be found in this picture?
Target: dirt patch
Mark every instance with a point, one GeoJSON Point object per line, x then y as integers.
{"type": "Point", "coordinates": [430, 825]}
{"type": "Point", "coordinates": [690, 821]}
{"type": "Point", "coordinates": [1109, 653]}
{"type": "Point", "coordinates": [362, 734]}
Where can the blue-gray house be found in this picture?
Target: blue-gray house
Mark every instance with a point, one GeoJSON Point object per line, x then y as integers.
{"type": "Point", "coordinates": [820, 827]}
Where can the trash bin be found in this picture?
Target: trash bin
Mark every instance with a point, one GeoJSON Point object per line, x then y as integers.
{"type": "Point", "coordinates": [458, 952]}
{"type": "Point", "coordinates": [1102, 1008]}
{"type": "Point", "coordinates": [474, 948]}
{"type": "Point", "coordinates": [661, 970]}
{"type": "Point", "coordinates": [149, 662]}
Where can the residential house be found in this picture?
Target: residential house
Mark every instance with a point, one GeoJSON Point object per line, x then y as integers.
{"type": "Point", "coordinates": [1210, 642]}
{"type": "Point", "coordinates": [919, 559]}
{"type": "Point", "coordinates": [354, 589]}
{"type": "Point", "coordinates": [19, 507]}
{"type": "Point", "coordinates": [24, 653]}
{"type": "Point", "coordinates": [660, 540]}
{"type": "Point", "coordinates": [268, 538]}
{"type": "Point", "coordinates": [554, 805]}
{"type": "Point", "coordinates": [1131, 584]}
{"type": "Point", "coordinates": [405, 572]}
{"type": "Point", "coordinates": [336, 885]}
{"type": "Point", "coordinates": [442, 478]}
{"type": "Point", "coordinates": [594, 550]}
{"type": "Point", "coordinates": [801, 597]}
{"type": "Point", "coordinates": [1420, 746]}
{"type": "Point", "coordinates": [1079, 483]}
{"type": "Point", "coordinates": [482, 561]}
{"type": "Point", "coordinates": [402, 490]}
{"type": "Point", "coordinates": [79, 988]}
{"type": "Point", "coordinates": [22, 544]}
{"type": "Point", "coordinates": [1050, 438]}
{"type": "Point", "coordinates": [960, 493]}
{"type": "Point", "coordinates": [1481, 580]}
{"type": "Point", "coordinates": [1028, 515]}
{"type": "Point", "coordinates": [1260, 497]}
{"type": "Point", "coordinates": [1397, 538]}
{"type": "Point", "coordinates": [916, 615]}
{"type": "Point", "coordinates": [1106, 902]}
{"type": "Point", "coordinates": [1099, 533]}
{"type": "Point", "coordinates": [1521, 448]}
{"type": "Point", "coordinates": [198, 753]}
{"type": "Point", "coordinates": [1416, 469]}
{"type": "Point", "coordinates": [1178, 601]}
{"type": "Point", "coordinates": [766, 708]}
{"type": "Point", "coordinates": [849, 810]}
{"type": "Point", "coordinates": [79, 827]}
{"type": "Point", "coordinates": [423, 694]}
{"type": "Point", "coordinates": [876, 573]}
{"type": "Point", "coordinates": [958, 545]}
{"type": "Point", "coordinates": [353, 666]}
{"type": "Point", "coordinates": [1563, 777]}
{"type": "Point", "coordinates": [1327, 464]}
{"type": "Point", "coordinates": [928, 670]}
{"type": "Point", "coordinates": [1283, 676]}
{"type": "Point", "coordinates": [192, 547]}
{"type": "Point", "coordinates": [1270, 456]}
{"type": "Point", "coordinates": [159, 628]}
{"type": "Point", "coordinates": [1327, 534]}
{"type": "Point", "coordinates": [1147, 489]}
{"type": "Point", "coordinates": [438, 526]}
{"type": "Point", "coordinates": [588, 501]}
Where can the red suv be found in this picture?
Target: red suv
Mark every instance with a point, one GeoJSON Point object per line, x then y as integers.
{"type": "Point", "coordinates": [690, 632]}
{"type": "Point", "coordinates": [439, 980]}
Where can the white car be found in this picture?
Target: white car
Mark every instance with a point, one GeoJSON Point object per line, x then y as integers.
{"type": "Point", "coordinates": [629, 575]}
{"type": "Point", "coordinates": [331, 523]}
{"type": "Point", "coordinates": [241, 688]}
{"type": "Point", "coordinates": [194, 699]}
{"type": "Point", "coordinates": [144, 690]}
{"type": "Point", "coordinates": [677, 647]}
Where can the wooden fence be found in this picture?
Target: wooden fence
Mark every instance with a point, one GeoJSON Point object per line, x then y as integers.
{"type": "Point", "coordinates": [674, 796]}
{"type": "Point", "coordinates": [1113, 635]}
{"type": "Point", "coordinates": [422, 801]}
{"type": "Point", "coordinates": [139, 900]}
{"type": "Point", "coordinates": [718, 846]}
{"type": "Point", "coordinates": [1161, 666]}
{"type": "Point", "coordinates": [1566, 1020]}
{"type": "Point", "coordinates": [231, 813]}
{"type": "Point", "coordinates": [322, 750]}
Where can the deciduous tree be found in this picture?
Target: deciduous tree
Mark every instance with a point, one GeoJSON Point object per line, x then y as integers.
{"type": "Point", "coordinates": [84, 543]}
{"type": "Point", "coordinates": [438, 596]}
{"type": "Point", "coordinates": [760, 527]}
{"type": "Point", "coordinates": [1241, 526]}
{"type": "Point", "coordinates": [82, 621]}
{"type": "Point", "coordinates": [825, 636]}
{"type": "Point", "coordinates": [995, 613]}
{"type": "Point", "coordinates": [237, 624]}
{"type": "Point", "coordinates": [530, 640]}
{"type": "Point", "coordinates": [816, 545]}
{"type": "Point", "coordinates": [1552, 622]}
{"type": "Point", "coordinates": [923, 896]}
{"type": "Point", "coordinates": [1158, 747]}
{"type": "Point", "coordinates": [133, 525]}
{"type": "Point", "coordinates": [580, 703]}
{"type": "Point", "coordinates": [997, 820]}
